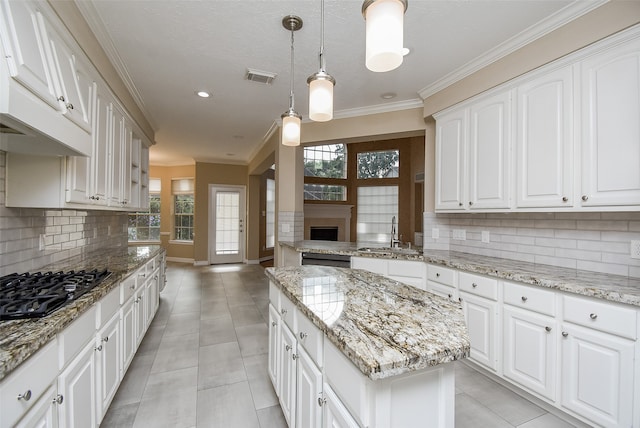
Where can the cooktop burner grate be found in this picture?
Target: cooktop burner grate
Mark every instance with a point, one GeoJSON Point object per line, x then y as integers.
{"type": "Point", "coordinates": [35, 295]}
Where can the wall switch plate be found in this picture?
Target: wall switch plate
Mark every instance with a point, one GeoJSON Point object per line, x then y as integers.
{"type": "Point", "coordinates": [459, 234]}
{"type": "Point", "coordinates": [485, 236]}
{"type": "Point", "coordinates": [435, 233]}
{"type": "Point", "coordinates": [635, 249]}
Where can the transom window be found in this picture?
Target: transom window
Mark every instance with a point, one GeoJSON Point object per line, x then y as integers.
{"type": "Point", "coordinates": [327, 161]}
{"type": "Point", "coordinates": [379, 164]}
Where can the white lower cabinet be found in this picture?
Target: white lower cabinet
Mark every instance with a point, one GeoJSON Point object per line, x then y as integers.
{"type": "Point", "coordinates": [287, 392]}
{"type": "Point", "coordinates": [334, 414]}
{"type": "Point", "coordinates": [406, 271]}
{"type": "Point", "coordinates": [308, 392]}
{"type": "Point", "coordinates": [274, 348]}
{"type": "Point", "coordinates": [109, 363]}
{"type": "Point", "coordinates": [44, 413]}
{"type": "Point", "coordinates": [77, 390]}
{"type": "Point", "coordinates": [480, 316]}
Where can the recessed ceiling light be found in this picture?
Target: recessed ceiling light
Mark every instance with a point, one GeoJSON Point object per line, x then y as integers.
{"type": "Point", "coordinates": [388, 95]}
{"type": "Point", "coordinates": [203, 94]}
{"type": "Point", "coordinates": [406, 51]}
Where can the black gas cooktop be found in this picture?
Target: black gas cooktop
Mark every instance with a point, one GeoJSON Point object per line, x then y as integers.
{"type": "Point", "coordinates": [35, 295]}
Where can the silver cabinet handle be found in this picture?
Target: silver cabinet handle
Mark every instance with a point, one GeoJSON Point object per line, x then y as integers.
{"type": "Point", "coordinates": [470, 203]}
{"type": "Point", "coordinates": [459, 204]}
{"type": "Point", "coordinates": [26, 396]}
{"type": "Point", "coordinates": [525, 298]}
{"type": "Point", "coordinates": [294, 356]}
{"type": "Point", "coordinates": [437, 275]}
{"type": "Point", "coordinates": [273, 323]}
{"type": "Point", "coordinates": [593, 316]}
{"type": "Point", "coordinates": [61, 98]}
{"type": "Point", "coordinates": [58, 399]}
{"type": "Point", "coordinates": [287, 348]}
{"type": "Point", "coordinates": [144, 275]}
{"type": "Point", "coordinates": [565, 199]}
{"type": "Point", "coordinates": [449, 295]}
{"type": "Point", "coordinates": [303, 335]}
{"type": "Point", "coordinates": [283, 311]}
{"type": "Point", "coordinates": [474, 285]}
{"type": "Point", "coordinates": [105, 339]}
{"type": "Point", "coordinates": [321, 401]}
{"type": "Point", "coordinates": [548, 329]}
{"type": "Point", "coordinates": [132, 287]}
{"type": "Point", "coordinates": [99, 348]}
{"type": "Point", "coordinates": [585, 198]}
{"type": "Point", "coordinates": [69, 106]}
{"type": "Point", "coordinates": [565, 334]}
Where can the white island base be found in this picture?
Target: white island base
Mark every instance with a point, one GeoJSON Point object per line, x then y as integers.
{"type": "Point", "coordinates": [423, 398]}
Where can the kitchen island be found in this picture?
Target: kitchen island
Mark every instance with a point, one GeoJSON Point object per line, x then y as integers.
{"type": "Point", "coordinates": [350, 347]}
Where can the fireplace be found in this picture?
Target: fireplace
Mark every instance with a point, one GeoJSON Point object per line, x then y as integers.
{"type": "Point", "coordinates": [323, 233]}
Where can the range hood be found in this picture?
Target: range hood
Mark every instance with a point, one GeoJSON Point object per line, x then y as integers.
{"type": "Point", "coordinates": [17, 137]}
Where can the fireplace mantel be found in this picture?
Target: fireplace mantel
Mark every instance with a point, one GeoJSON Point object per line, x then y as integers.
{"type": "Point", "coordinates": [338, 215]}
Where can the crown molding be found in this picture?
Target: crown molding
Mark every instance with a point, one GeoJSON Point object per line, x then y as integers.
{"type": "Point", "coordinates": [544, 27]}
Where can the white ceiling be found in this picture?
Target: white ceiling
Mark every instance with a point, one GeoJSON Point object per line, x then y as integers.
{"type": "Point", "coordinates": [166, 50]}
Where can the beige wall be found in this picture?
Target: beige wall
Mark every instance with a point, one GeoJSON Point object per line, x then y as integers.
{"type": "Point", "coordinates": [180, 251]}
{"type": "Point", "coordinates": [75, 23]}
{"type": "Point", "coordinates": [212, 173]}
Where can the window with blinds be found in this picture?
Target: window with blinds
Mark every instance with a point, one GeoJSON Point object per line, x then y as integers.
{"type": "Point", "coordinates": [183, 208]}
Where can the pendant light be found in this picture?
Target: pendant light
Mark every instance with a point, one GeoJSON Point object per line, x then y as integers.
{"type": "Point", "coordinates": [384, 33]}
{"type": "Point", "coordinates": [321, 84]}
{"type": "Point", "coordinates": [291, 120]}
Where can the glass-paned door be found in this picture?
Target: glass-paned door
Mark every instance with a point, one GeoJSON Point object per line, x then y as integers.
{"type": "Point", "coordinates": [226, 224]}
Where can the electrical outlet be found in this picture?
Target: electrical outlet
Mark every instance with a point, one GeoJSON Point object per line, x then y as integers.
{"type": "Point", "coordinates": [485, 236]}
{"type": "Point", "coordinates": [435, 233]}
{"type": "Point", "coordinates": [635, 249]}
{"type": "Point", "coordinates": [459, 234]}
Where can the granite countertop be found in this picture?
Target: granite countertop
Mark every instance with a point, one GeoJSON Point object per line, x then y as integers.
{"type": "Point", "coordinates": [384, 327]}
{"type": "Point", "coordinates": [604, 286]}
{"type": "Point", "coordinates": [20, 339]}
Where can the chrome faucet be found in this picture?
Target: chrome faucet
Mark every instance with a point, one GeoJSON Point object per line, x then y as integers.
{"type": "Point", "coordinates": [395, 242]}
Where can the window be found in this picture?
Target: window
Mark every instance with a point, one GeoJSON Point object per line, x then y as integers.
{"type": "Point", "coordinates": [271, 213]}
{"type": "Point", "coordinates": [377, 205]}
{"type": "Point", "coordinates": [183, 209]}
{"type": "Point", "coordinates": [325, 170]}
{"type": "Point", "coordinates": [145, 226]}
{"type": "Point", "coordinates": [379, 164]}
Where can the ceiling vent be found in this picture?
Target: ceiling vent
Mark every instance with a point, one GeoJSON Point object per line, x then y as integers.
{"type": "Point", "coordinates": [260, 76]}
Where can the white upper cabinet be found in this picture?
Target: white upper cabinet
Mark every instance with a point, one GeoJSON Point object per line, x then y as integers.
{"type": "Point", "coordinates": [472, 155]}
{"type": "Point", "coordinates": [451, 144]}
{"type": "Point", "coordinates": [544, 140]}
{"type": "Point", "coordinates": [611, 126]}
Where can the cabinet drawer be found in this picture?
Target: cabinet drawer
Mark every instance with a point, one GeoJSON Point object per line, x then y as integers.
{"type": "Point", "coordinates": [274, 296]}
{"type": "Point", "coordinates": [601, 316]}
{"type": "Point", "coordinates": [107, 307]}
{"type": "Point", "coordinates": [128, 287]}
{"type": "Point", "coordinates": [479, 285]}
{"type": "Point", "coordinates": [445, 291]}
{"type": "Point", "coordinates": [34, 376]}
{"type": "Point", "coordinates": [416, 282]}
{"type": "Point", "coordinates": [442, 275]}
{"type": "Point", "coordinates": [406, 268]}
{"type": "Point", "coordinates": [73, 338]}
{"type": "Point", "coordinates": [311, 338]}
{"type": "Point", "coordinates": [288, 312]}
{"type": "Point", "coordinates": [531, 298]}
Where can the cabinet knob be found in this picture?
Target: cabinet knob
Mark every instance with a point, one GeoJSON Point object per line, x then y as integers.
{"type": "Point", "coordinates": [437, 275]}
{"type": "Point", "coordinates": [294, 356]}
{"type": "Point", "coordinates": [283, 311]}
{"type": "Point", "coordinates": [585, 198]}
{"type": "Point", "coordinates": [593, 316]}
{"type": "Point", "coordinates": [99, 348]}
{"type": "Point", "coordinates": [459, 204]}
{"type": "Point", "coordinates": [303, 335]}
{"type": "Point", "coordinates": [26, 396]}
{"type": "Point", "coordinates": [524, 298]}
{"type": "Point", "coordinates": [61, 98]}
{"type": "Point", "coordinates": [273, 323]}
{"type": "Point", "coordinates": [132, 287]}
{"type": "Point", "coordinates": [69, 106]}
{"type": "Point", "coordinates": [470, 203]}
{"type": "Point", "coordinates": [474, 285]}
{"type": "Point", "coordinates": [565, 199]}
{"type": "Point", "coordinates": [58, 399]}
{"type": "Point", "coordinates": [105, 339]}
{"type": "Point", "coordinates": [548, 329]}
{"type": "Point", "coordinates": [287, 348]}
{"type": "Point", "coordinates": [321, 401]}
{"type": "Point", "coordinates": [565, 334]}
{"type": "Point", "coordinates": [450, 296]}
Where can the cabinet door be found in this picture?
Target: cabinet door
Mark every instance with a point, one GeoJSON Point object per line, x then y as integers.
{"type": "Point", "coordinates": [529, 349]}
{"type": "Point", "coordinates": [309, 391]}
{"type": "Point", "coordinates": [109, 363]}
{"type": "Point", "coordinates": [451, 142]}
{"type": "Point", "coordinates": [597, 376]}
{"type": "Point", "coordinates": [27, 50]}
{"type": "Point", "coordinates": [128, 331]}
{"type": "Point", "coordinates": [274, 347]}
{"type": "Point", "coordinates": [610, 127]}
{"type": "Point", "coordinates": [127, 166]}
{"type": "Point", "coordinates": [117, 150]}
{"type": "Point", "coordinates": [78, 180]}
{"type": "Point", "coordinates": [371, 264]}
{"type": "Point", "coordinates": [545, 141]}
{"type": "Point", "coordinates": [77, 386]}
{"type": "Point", "coordinates": [140, 310]}
{"type": "Point", "coordinates": [74, 89]}
{"type": "Point", "coordinates": [334, 414]}
{"type": "Point", "coordinates": [480, 316]}
{"type": "Point", "coordinates": [43, 414]}
{"type": "Point", "coordinates": [152, 297]}
{"type": "Point", "coordinates": [288, 365]}
{"type": "Point", "coordinates": [143, 203]}
{"type": "Point", "coordinates": [489, 152]}
{"type": "Point", "coordinates": [102, 138]}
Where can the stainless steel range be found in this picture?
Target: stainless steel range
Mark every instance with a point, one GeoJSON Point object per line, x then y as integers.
{"type": "Point", "coordinates": [35, 295]}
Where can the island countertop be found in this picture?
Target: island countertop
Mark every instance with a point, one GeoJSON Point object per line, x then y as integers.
{"type": "Point", "coordinates": [384, 327]}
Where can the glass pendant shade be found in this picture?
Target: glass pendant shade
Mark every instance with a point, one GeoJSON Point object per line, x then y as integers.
{"type": "Point", "coordinates": [384, 34]}
{"type": "Point", "coordinates": [291, 122]}
{"type": "Point", "coordinates": [321, 97]}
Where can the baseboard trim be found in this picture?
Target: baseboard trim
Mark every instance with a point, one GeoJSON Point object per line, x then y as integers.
{"type": "Point", "coordinates": [179, 260]}
{"type": "Point", "coordinates": [200, 263]}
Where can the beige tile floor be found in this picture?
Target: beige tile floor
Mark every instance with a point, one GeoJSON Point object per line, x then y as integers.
{"type": "Point", "coordinates": [203, 363]}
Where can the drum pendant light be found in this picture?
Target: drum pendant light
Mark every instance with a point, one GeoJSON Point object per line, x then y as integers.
{"type": "Point", "coordinates": [291, 120]}
{"type": "Point", "coordinates": [384, 33]}
{"type": "Point", "coordinates": [321, 84]}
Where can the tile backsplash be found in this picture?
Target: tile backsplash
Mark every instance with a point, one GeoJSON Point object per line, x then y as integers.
{"type": "Point", "coordinates": [592, 241]}
{"type": "Point", "coordinates": [32, 238]}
